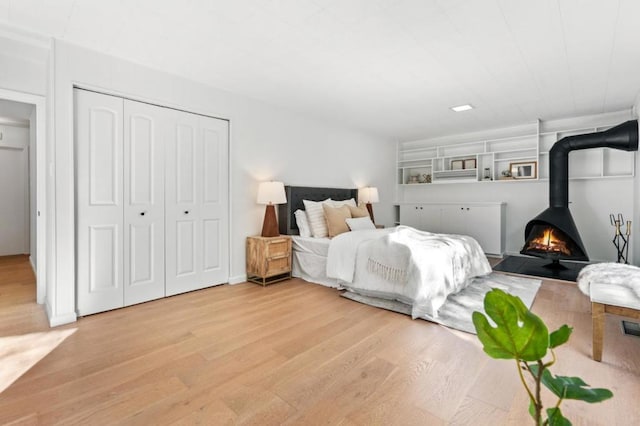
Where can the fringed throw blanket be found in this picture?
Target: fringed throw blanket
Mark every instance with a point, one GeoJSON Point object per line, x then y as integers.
{"type": "Point", "coordinates": [415, 267]}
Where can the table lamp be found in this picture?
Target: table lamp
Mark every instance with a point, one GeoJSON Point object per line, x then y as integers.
{"type": "Point", "coordinates": [271, 193]}
{"type": "Point", "coordinates": [369, 195]}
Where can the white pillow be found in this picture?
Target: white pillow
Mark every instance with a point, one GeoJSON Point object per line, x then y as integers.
{"type": "Point", "coordinates": [315, 217]}
{"type": "Point", "coordinates": [349, 202]}
{"type": "Point", "coordinates": [360, 223]}
{"type": "Point", "coordinates": [302, 222]}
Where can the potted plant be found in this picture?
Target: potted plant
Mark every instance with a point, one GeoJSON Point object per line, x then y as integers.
{"type": "Point", "coordinates": [522, 336]}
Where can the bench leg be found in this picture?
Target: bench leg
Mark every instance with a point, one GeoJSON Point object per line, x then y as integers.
{"type": "Point", "coordinates": [597, 315]}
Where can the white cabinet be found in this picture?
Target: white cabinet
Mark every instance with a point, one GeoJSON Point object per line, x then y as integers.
{"type": "Point", "coordinates": [151, 201]}
{"type": "Point", "coordinates": [425, 217]}
{"type": "Point", "coordinates": [482, 221]}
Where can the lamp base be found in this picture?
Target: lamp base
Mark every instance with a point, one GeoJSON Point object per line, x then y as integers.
{"type": "Point", "coordinates": [270, 224]}
{"type": "Point", "coordinates": [370, 210]}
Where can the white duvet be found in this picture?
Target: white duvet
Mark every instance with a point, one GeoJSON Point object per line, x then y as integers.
{"type": "Point", "coordinates": [415, 267]}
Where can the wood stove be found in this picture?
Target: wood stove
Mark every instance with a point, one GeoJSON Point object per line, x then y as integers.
{"type": "Point", "coordinates": [553, 234]}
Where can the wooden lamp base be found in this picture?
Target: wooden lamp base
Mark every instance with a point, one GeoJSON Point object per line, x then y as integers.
{"type": "Point", "coordinates": [270, 224]}
{"type": "Point", "coordinates": [370, 210]}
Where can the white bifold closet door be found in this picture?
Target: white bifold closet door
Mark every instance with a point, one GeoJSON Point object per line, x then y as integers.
{"type": "Point", "coordinates": [144, 130]}
{"type": "Point", "coordinates": [99, 202]}
{"type": "Point", "coordinates": [151, 201]}
{"type": "Point", "coordinates": [119, 202]}
{"type": "Point", "coordinates": [196, 202]}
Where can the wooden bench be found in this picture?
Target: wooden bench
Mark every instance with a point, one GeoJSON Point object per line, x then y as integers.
{"type": "Point", "coordinates": [613, 289]}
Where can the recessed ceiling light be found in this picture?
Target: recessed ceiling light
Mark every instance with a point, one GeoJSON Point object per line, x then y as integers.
{"type": "Point", "coordinates": [461, 108]}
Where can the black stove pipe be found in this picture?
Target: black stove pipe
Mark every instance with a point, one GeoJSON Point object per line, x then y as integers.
{"type": "Point", "coordinates": [623, 136]}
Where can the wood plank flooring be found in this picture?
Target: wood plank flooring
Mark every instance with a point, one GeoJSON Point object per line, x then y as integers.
{"type": "Point", "coordinates": [289, 353]}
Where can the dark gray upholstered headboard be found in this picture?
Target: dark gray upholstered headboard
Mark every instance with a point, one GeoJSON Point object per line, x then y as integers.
{"type": "Point", "coordinates": [295, 195]}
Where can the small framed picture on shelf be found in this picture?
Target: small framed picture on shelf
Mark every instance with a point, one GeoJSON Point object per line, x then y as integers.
{"type": "Point", "coordinates": [470, 163]}
{"type": "Point", "coordinates": [457, 164]}
{"type": "Point", "coordinates": [524, 170]}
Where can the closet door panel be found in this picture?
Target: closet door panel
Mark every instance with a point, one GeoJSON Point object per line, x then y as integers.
{"type": "Point", "coordinates": [182, 207]}
{"type": "Point", "coordinates": [99, 201]}
{"type": "Point", "coordinates": [186, 248]}
{"type": "Point", "coordinates": [215, 142]}
{"type": "Point", "coordinates": [197, 203]}
{"type": "Point", "coordinates": [144, 130]}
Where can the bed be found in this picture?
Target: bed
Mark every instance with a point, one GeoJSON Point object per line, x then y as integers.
{"type": "Point", "coordinates": [309, 254]}
{"type": "Point", "coordinates": [414, 267]}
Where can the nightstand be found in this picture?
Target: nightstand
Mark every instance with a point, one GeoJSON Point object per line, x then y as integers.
{"type": "Point", "coordinates": [268, 259]}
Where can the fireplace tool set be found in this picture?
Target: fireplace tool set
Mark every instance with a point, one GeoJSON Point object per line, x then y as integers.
{"type": "Point", "coordinates": [622, 248]}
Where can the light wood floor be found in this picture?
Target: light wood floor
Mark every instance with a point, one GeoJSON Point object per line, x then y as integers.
{"type": "Point", "coordinates": [292, 353]}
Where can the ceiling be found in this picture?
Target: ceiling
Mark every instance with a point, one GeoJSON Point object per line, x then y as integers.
{"type": "Point", "coordinates": [392, 67]}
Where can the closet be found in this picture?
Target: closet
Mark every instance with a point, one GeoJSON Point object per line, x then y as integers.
{"type": "Point", "coordinates": [151, 201]}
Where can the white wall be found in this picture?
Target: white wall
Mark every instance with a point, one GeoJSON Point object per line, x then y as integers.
{"type": "Point", "coordinates": [591, 200]}
{"type": "Point", "coordinates": [14, 204]}
{"type": "Point", "coordinates": [266, 143]}
{"type": "Point", "coordinates": [24, 63]}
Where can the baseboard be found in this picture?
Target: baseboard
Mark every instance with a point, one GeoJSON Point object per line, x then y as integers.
{"type": "Point", "coordinates": [56, 320]}
{"type": "Point", "coordinates": [33, 265]}
{"type": "Point", "coordinates": [238, 279]}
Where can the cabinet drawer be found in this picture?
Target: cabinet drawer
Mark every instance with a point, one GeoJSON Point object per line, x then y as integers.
{"type": "Point", "coordinates": [279, 246]}
{"type": "Point", "coordinates": [277, 265]}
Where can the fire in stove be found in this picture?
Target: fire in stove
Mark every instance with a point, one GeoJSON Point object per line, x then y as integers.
{"type": "Point", "coordinates": [550, 241]}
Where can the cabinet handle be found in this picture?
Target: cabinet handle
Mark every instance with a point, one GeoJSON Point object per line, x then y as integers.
{"type": "Point", "coordinates": [143, 213]}
{"type": "Point", "coordinates": [186, 212]}
{"type": "Point", "coordinates": [467, 208]}
{"type": "Point", "coordinates": [461, 208]}
{"type": "Point", "coordinates": [420, 208]}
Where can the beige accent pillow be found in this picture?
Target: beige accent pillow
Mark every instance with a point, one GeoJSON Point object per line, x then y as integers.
{"type": "Point", "coordinates": [315, 217]}
{"type": "Point", "coordinates": [336, 219]}
{"type": "Point", "coordinates": [358, 211]}
{"type": "Point", "coordinates": [349, 202]}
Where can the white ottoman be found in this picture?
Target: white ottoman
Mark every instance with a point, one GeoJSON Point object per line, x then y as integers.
{"type": "Point", "coordinates": [614, 288]}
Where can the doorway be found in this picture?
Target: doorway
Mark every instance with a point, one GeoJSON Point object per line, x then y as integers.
{"type": "Point", "coordinates": [22, 181]}
{"type": "Point", "coordinates": [15, 179]}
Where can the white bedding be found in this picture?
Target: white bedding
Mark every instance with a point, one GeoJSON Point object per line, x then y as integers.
{"type": "Point", "coordinates": [310, 260]}
{"type": "Point", "coordinates": [415, 267]}
{"type": "Point", "coordinates": [318, 246]}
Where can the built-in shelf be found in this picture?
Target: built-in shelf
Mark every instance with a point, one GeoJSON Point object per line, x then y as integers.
{"type": "Point", "coordinates": [441, 161]}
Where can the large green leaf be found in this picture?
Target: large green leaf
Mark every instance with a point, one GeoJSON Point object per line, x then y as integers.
{"type": "Point", "coordinates": [555, 417]}
{"type": "Point", "coordinates": [572, 388]}
{"type": "Point", "coordinates": [560, 336]}
{"type": "Point", "coordinates": [519, 333]}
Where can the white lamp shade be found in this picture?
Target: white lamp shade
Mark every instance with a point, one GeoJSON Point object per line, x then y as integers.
{"type": "Point", "coordinates": [271, 193]}
{"type": "Point", "coordinates": [368, 195]}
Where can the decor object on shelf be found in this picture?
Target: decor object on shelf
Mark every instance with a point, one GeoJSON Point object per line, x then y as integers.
{"type": "Point", "coordinates": [470, 163]}
{"type": "Point", "coordinates": [271, 193]}
{"type": "Point", "coordinates": [425, 178]}
{"type": "Point", "coordinates": [622, 249]}
{"type": "Point", "coordinates": [414, 179]}
{"type": "Point", "coordinates": [369, 195]}
{"type": "Point", "coordinates": [524, 170]}
{"type": "Point", "coordinates": [523, 336]}
{"type": "Point", "coordinates": [487, 173]}
{"type": "Point", "coordinates": [457, 164]}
